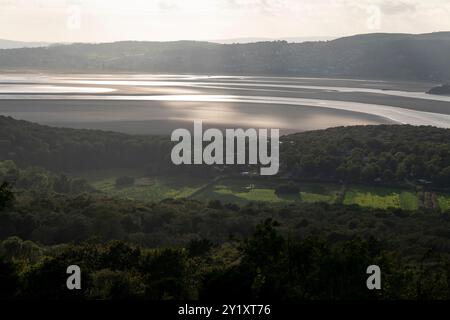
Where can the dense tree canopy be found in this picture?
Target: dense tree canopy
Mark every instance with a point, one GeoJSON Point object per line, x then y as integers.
{"type": "Point", "coordinates": [57, 219]}
{"type": "Point", "coordinates": [390, 155]}
{"type": "Point", "coordinates": [265, 266]}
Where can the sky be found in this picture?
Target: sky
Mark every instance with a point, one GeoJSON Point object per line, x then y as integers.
{"type": "Point", "coordinates": [167, 20]}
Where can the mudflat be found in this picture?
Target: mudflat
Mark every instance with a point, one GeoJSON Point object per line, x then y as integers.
{"type": "Point", "coordinates": [156, 104]}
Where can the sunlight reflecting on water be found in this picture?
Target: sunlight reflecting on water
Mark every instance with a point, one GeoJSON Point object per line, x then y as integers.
{"type": "Point", "coordinates": [239, 100]}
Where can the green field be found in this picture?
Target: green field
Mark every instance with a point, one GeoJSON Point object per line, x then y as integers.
{"type": "Point", "coordinates": [444, 202]}
{"type": "Point", "coordinates": [241, 191]}
{"type": "Point", "coordinates": [252, 194]}
{"type": "Point", "coordinates": [145, 188]}
{"type": "Point", "coordinates": [316, 192]}
{"type": "Point", "coordinates": [246, 190]}
{"type": "Point", "coordinates": [408, 200]}
{"type": "Point", "coordinates": [382, 198]}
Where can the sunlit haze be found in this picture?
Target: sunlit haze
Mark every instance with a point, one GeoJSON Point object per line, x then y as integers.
{"type": "Point", "coordinates": [103, 20]}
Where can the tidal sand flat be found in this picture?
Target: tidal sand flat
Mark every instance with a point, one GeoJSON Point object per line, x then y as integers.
{"type": "Point", "coordinates": [156, 104]}
{"type": "Point", "coordinates": [161, 117]}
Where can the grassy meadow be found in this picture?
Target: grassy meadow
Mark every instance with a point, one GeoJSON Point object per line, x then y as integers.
{"type": "Point", "coordinates": [244, 190]}
{"type": "Point", "coordinates": [145, 188]}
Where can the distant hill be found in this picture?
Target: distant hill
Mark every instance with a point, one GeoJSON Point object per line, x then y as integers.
{"type": "Point", "coordinates": [10, 44]}
{"type": "Point", "coordinates": [372, 56]}
{"type": "Point", "coordinates": [288, 39]}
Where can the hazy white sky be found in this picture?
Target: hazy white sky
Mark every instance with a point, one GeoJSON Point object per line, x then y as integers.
{"type": "Point", "coordinates": [110, 20]}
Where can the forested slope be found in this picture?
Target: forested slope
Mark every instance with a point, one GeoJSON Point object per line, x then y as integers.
{"type": "Point", "coordinates": [387, 154]}
{"type": "Point", "coordinates": [383, 56]}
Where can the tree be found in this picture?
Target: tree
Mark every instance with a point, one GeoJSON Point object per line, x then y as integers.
{"type": "Point", "coordinates": [287, 189]}
{"type": "Point", "coordinates": [444, 177]}
{"type": "Point", "coordinates": [6, 196]}
{"type": "Point", "coordinates": [108, 284]}
{"type": "Point", "coordinates": [200, 247]}
{"type": "Point", "coordinates": [9, 280]}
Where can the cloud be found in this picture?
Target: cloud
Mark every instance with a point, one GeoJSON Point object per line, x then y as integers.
{"type": "Point", "coordinates": [263, 6]}
{"type": "Point", "coordinates": [218, 19]}
{"type": "Point", "coordinates": [397, 7]}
